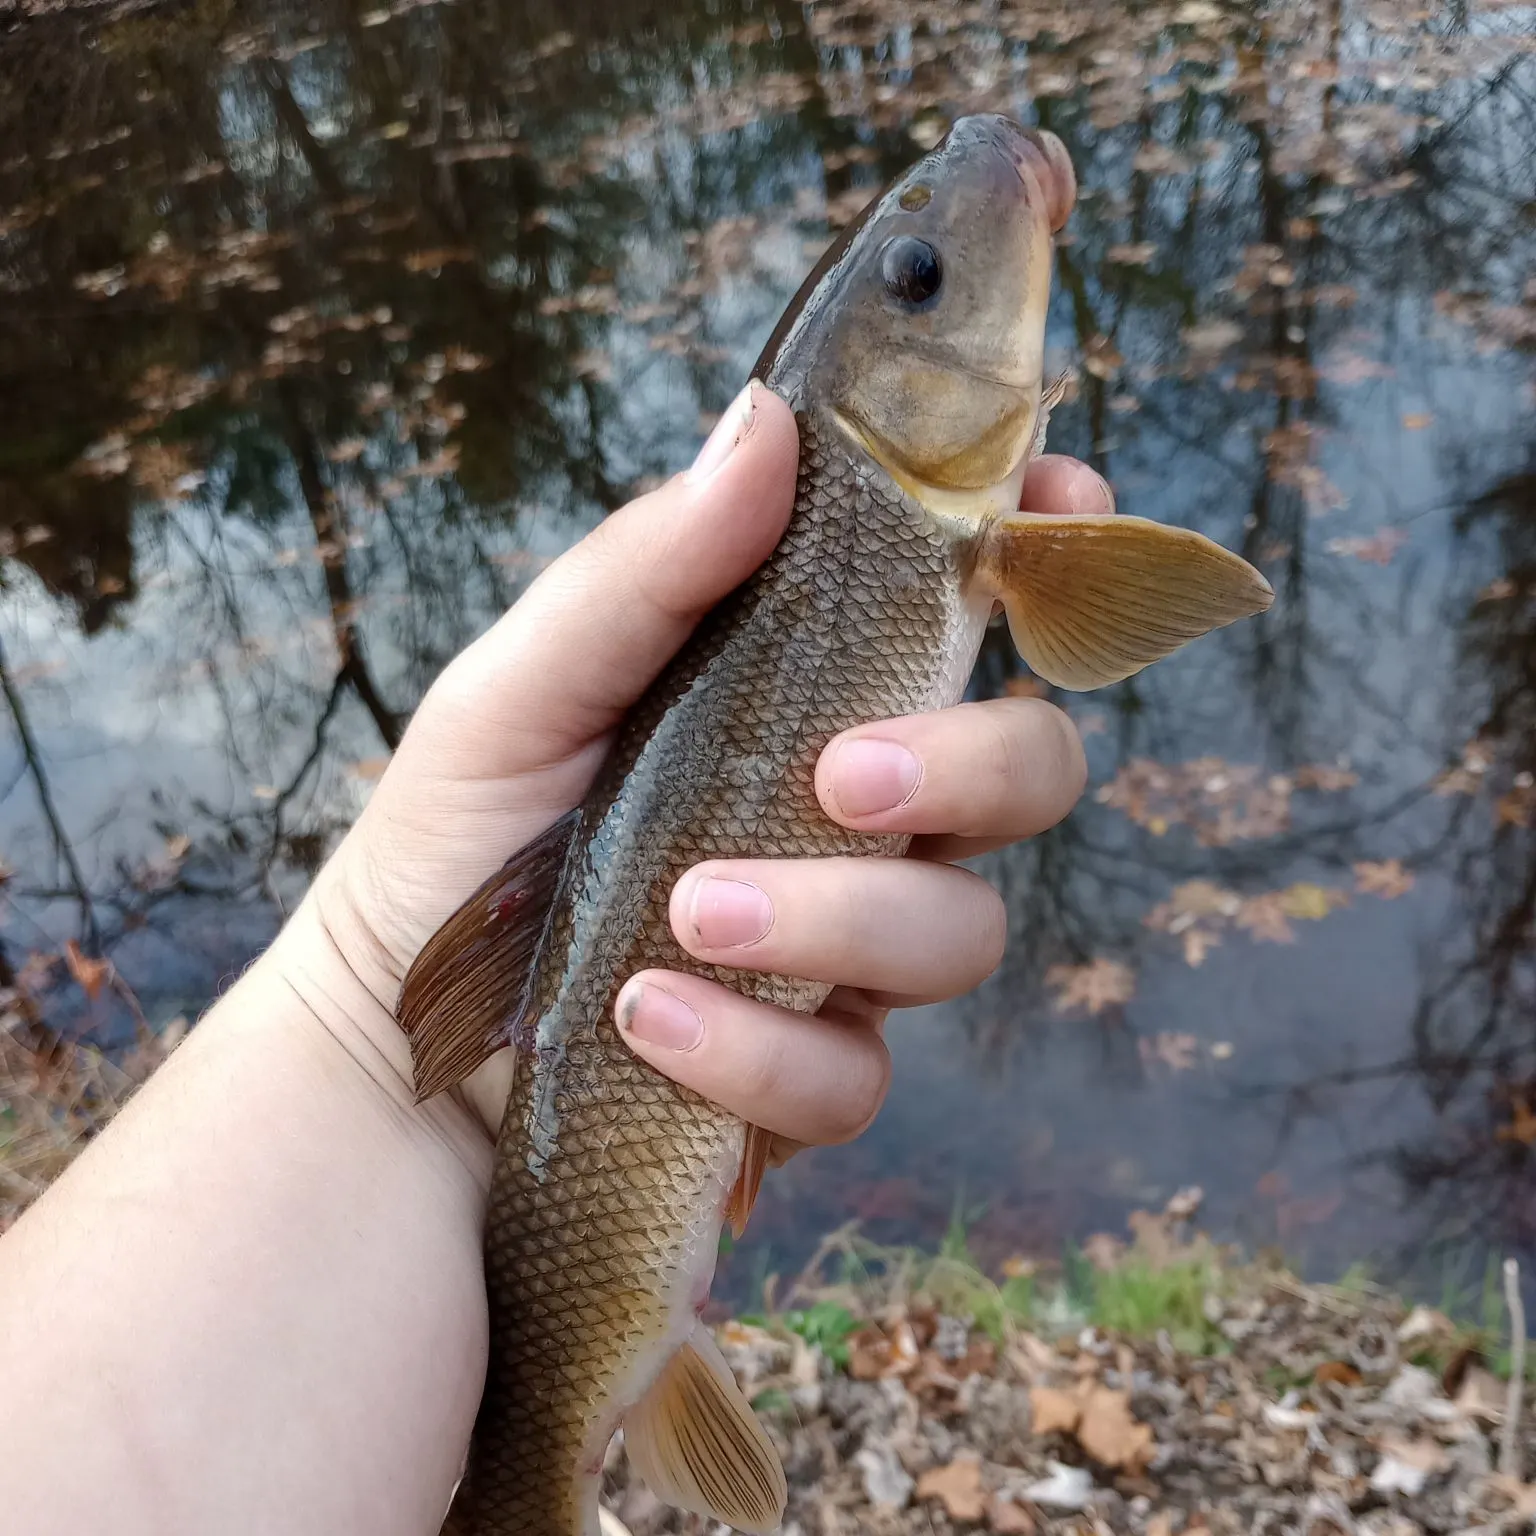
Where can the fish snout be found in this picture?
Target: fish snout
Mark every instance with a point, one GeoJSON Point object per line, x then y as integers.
{"type": "Point", "coordinates": [1038, 157]}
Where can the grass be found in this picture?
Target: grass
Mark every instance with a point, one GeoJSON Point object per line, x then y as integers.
{"type": "Point", "coordinates": [1141, 1300]}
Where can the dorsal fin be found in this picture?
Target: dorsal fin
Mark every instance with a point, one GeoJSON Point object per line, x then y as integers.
{"type": "Point", "coordinates": [473, 985]}
{"type": "Point", "coordinates": [696, 1443]}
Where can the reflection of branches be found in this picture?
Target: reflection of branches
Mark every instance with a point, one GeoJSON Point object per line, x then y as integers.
{"type": "Point", "coordinates": [331, 539]}
{"type": "Point", "coordinates": [64, 850]}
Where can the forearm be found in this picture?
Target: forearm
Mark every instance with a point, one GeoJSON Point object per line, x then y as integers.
{"type": "Point", "coordinates": [255, 1304]}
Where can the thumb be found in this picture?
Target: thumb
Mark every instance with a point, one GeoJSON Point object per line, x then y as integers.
{"type": "Point", "coordinates": [536, 697]}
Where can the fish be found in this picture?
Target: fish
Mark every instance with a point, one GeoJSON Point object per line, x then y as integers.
{"type": "Point", "coordinates": [913, 358]}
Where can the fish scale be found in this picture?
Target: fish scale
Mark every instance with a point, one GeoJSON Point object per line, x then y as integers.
{"type": "Point", "coordinates": [585, 1262]}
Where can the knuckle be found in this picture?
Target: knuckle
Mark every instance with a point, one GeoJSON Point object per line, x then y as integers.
{"type": "Point", "coordinates": [989, 929]}
{"type": "Point", "coordinates": [864, 1102]}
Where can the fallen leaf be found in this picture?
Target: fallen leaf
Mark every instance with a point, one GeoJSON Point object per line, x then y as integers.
{"type": "Point", "coordinates": [1416, 421]}
{"type": "Point", "coordinates": [1053, 1411]}
{"type": "Point", "coordinates": [1101, 357]}
{"type": "Point", "coordinates": [1263, 918]}
{"type": "Point", "coordinates": [1026, 688]}
{"type": "Point", "coordinates": [1009, 1519]}
{"type": "Point", "coordinates": [369, 769]}
{"type": "Point", "coordinates": [956, 1486]}
{"type": "Point", "coordinates": [1406, 1465]}
{"type": "Point", "coordinates": [1522, 1124]}
{"type": "Point", "coordinates": [1198, 943]}
{"type": "Point", "coordinates": [1138, 254]}
{"type": "Point", "coordinates": [1326, 777]}
{"type": "Point", "coordinates": [1521, 1495]}
{"type": "Point", "coordinates": [1379, 549]}
{"type": "Point", "coordinates": [91, 975]}
{"type": "Point", "coordinates": [1096, 986]}
{"type": "Point", "coordinates": [1339, 1372]}
{"type": "Point", "coordinates": [1481, 1395]}
{"type": "Point", "coordinates": [1177, 1052]}
{"type": "Point", "coordinates": [1111, 1434]}
{"type": "Point", "coordinates": [1387, 879]}
{"type": "Point", "coordinates": [1310, 903]}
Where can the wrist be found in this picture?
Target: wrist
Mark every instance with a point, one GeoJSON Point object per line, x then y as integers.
{"type": "Point", "coordinates": [320, 965]}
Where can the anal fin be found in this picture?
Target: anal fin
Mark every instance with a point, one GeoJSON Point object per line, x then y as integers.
{"type": "Point", "coordinates": [472, 986]}
{"type": "Point", "coordinates": [1091, 600]}
{"type": "Point", "coordinates": [696, 1443]}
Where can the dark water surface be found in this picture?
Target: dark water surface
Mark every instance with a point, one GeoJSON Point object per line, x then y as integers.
{"type": "Point", "coordinates": [322, 327]}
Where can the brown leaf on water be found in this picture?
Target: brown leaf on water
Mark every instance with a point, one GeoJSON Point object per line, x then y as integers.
{"type": "Point", "coordinates": [1101, 357]}
{"type": "Point", "coordinates": [1263, 919]}
{"type": "Point", "coordinates": [956, 1486]}
{"type": "Point", "coordinates": [1416, 421]}
{"type": "Point", "coordinates": [1516, 808]}
{"type": "Point", "coordinates": [439, 256]}
{"type": "Point", "coordinates": [91, 975]}
{"type": "Point", "coordinates": [1387, 879]}
{"type": "Point", "coordinates": [1138, 254]}
{"type": "Point", "coordinates": [1024, 687]}
{"type": "Point", "coordinates": [1178, 1052]}
{"type": "Point", "coordinates": [1096, 986]}
{"type": "Point", "coordinates": [1379, 549]}
{"type": "Point", "coordinates": [1198, 943]}
{"type": "Point", "coordinates": [1327, 777]}
{"type": "Point", "coordinates": [1522, 1124]}
{"type": "Point", "coordinates": [1311, 903]}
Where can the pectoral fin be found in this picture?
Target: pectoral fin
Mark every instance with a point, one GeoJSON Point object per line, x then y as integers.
{"type": "Point", "coordinates": [473, 984]}
{"type": "Point", "coordinates": [696, 1443]}
{"type": "Point", "coordinates": [1091, 600]}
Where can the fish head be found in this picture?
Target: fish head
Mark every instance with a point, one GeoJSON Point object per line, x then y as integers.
{"type": "Point", "coordinates": [923, 331]}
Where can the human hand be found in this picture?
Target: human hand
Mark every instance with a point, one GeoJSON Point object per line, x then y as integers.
{"type": "Point", "coordinates": [511, 735]}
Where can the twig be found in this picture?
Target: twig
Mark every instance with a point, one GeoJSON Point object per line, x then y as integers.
{"type": "Point", "coordinates": [1509, 1440]}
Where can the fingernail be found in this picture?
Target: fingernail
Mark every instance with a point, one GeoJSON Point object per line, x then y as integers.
{"type": "Point", "coordinates": [728, 914]}
{"type": "Point", "coordinates": [1089, 495]}
{"type": "Point", "coordinates": [729, 431]}
{"type": "Point", "coordinates": [659, 1018]}
{"type": "Point", "coordinates": [869, 775]}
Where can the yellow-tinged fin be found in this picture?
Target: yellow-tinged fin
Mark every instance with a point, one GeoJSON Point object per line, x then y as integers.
{"type": "Point", "coordinates": [472, 986]}
{"type": "Point", "coordinates": [696, 1443]}
{"type": "Point", "coordinates": [1091, 600]}
{"type": "Point", "coordinates": [756, 1156]}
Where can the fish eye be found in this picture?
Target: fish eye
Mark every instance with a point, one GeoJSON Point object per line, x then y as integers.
{"type": "Point", "coordinates": [911, 268]}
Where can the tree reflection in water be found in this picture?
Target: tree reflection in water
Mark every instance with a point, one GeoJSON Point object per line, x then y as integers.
{"type": "Point", "coordinates": [322, 328]}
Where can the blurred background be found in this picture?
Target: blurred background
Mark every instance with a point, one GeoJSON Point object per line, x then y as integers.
{"type": "Point", "coordinates": [324, 327]}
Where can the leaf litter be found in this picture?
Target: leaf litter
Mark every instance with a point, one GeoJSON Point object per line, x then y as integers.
{"type": "Point", "coordinates": [1286, 1408]}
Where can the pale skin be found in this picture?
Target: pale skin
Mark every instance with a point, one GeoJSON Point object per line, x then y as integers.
{"type": "Point", "coordinates": [255, 1304]}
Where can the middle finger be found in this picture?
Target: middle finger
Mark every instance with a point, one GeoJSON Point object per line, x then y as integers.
{"type": "Point", "coordinates": [975, 776]}
{"type": "Point", "coordinates": [925, 931]}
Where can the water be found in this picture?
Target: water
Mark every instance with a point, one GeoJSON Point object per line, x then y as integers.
{"type": "Point", "coordinates": [322, 328]}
